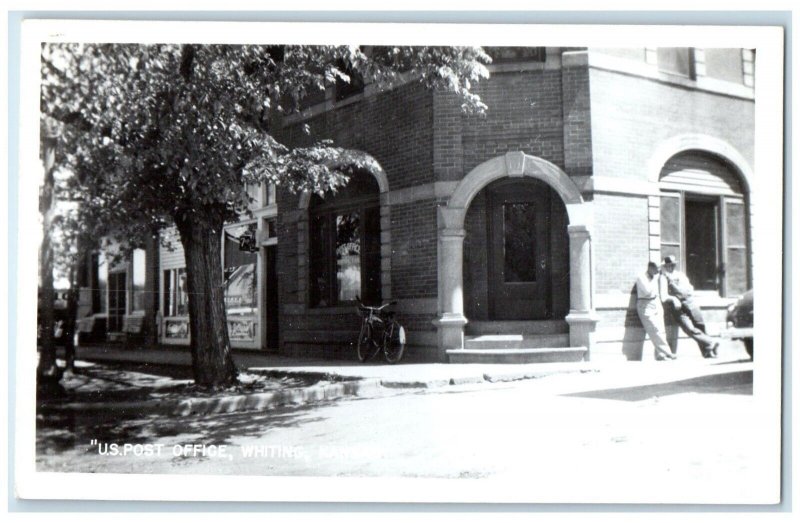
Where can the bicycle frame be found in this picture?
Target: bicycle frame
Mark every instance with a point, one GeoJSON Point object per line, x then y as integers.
{"type": "Point", "coordinates": [378, 329]}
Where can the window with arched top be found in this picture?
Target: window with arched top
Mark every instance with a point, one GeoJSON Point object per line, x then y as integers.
{"type": "Point", "coordinates": [704, 221]}
{"type": "Point", "coordinates": [345, 244]}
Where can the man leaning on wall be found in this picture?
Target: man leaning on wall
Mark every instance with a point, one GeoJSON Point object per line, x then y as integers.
{"type": "Point", "coordinates": [677, 295]}
{"type": "Point", "coordinates": [651, 312]}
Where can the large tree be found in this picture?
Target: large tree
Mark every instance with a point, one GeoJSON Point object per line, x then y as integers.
{"type": "Point", "coordinates": [174, 134]}
{"type": "Point", "coordinates": [72, 226]}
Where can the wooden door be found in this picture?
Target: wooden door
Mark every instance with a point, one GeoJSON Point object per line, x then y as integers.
{"type": "Point", "coordinates": [271, 296]}
{"type": "Point", "coordinates": [519, 251]}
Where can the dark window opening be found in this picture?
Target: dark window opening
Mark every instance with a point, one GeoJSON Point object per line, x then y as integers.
{"type": "Point", "coordinates": [117, 298]}
{"type": "Point", "coordinates": [702, 259]}
{"type": "Point", "coordinates": [676, 60]}
{"type": "Point", "coordinates": [345, 89]}
{"type": "Point", "coordinates": [725, 64]}
{"type": "Point", "coordinates": [507, 55]}
{"type": "Point", "coordinates": [344, 245]}
{"type": "Point", "coordinates": [94, 283]}
{"type": "Point", "coordinates": [708, 236]}
{"type": "Point", "coordinates": [176, 297]}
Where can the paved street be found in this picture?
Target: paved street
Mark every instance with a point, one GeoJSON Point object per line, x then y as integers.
{"type": "Point", "coordinates": [647, 426]}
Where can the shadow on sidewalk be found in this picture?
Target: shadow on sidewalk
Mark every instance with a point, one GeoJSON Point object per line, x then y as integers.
{"type": "Point", "coordinates": [70, 431]}
{"type": "Point", "coordinates": [738, 383]}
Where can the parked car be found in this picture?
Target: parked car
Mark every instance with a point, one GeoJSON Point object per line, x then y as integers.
{"type": "Point", "coordinates": [740, 321]}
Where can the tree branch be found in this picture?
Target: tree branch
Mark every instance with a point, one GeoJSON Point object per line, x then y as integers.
{"type": "Point", "coordinates": [187, 61]}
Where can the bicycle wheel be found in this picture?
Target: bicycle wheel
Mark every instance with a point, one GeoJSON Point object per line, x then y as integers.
{"type": "Point", "coordinates": [366, 347]}
{"type": "Point", "coordinates": [394, 342]}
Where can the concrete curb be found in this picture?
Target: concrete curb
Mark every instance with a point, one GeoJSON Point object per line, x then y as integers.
{"type": "Point", "coordinates": [468, 380]}
{"type": "Point", "coordinates": [335, 386]}
{"type": "Point", "coordinates": [518, 376]}
{"type": "Point", "coordinates": [258, 401]}
{"type": "Point", "coordinates": [412, 384]}
{"type": "Point", "coordinates": [342, 386]}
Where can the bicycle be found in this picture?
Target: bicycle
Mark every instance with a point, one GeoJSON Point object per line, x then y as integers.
{"type": "Point", "coordinates": [380, 331]}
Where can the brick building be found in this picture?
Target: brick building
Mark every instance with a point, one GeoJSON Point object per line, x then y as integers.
{"type": "Point", "coordinates": [526, 228]}
{"type": "Point", "coordinates": [522, 230]}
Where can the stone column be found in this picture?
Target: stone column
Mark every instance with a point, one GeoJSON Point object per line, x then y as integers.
{"type": "Point", "coordinates": [582, 318]}
{"type": "Point", "coordinates": [580, 268]}
{"type": "Point", "coordinates": [451, 320]}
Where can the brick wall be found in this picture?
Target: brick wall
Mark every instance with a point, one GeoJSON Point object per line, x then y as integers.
{"type": "Point", "coordinates": [414, 248]}
{"type": "Point", "coordinates": [620, 241]}
{"type": "Point", "coordinates": [395, 127]}
{"type": "Point", "coordinates": [632, 116]}
{"type": "Point", "coordinates": [448, 148]}
{"type": "Point", "coordinates": [578, 119]}
{"type": "Point", "coordinates": [525, 114]}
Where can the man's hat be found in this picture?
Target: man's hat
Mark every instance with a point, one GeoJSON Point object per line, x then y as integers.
{"type": "Point", "coordinates": [670, 260]}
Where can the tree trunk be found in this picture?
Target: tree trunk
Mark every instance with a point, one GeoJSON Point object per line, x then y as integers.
{"type": "Point", "coordinates": [211, 349]}
{"type": "Point", "coordinates": [48, 374]}
{"type": "Point", "coordinates": [71, 320]}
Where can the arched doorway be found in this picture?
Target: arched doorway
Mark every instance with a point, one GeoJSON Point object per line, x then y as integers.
{"type": "Point", "coordinates": [451, 321]}
{"type": "Point", "coordinates": [516, 255]}
{"type": "Point", "coordinates": [704, 221]}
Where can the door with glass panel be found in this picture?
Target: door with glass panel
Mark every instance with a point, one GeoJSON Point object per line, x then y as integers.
{"type": "Point", "coordinates": [519, 251]}
{"type": "Point", "coordinates": [117, 298]}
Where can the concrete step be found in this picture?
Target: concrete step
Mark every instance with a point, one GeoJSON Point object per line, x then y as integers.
{"type": "Point", "coordinates": [516, 341]}
{"type": "Point", "coordinates": [541, 355]}
{"type": "Point", "coordinates": [477, 328]}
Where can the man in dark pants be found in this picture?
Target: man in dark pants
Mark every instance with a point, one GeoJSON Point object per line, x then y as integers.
{"type": "Point", "coordinates": [677, 294]}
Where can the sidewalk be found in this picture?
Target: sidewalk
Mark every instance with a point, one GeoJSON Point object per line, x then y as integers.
{"type": "Point", "coordinates": [271, 380]}
{"type": "Point", "coordinates": [404, 375]}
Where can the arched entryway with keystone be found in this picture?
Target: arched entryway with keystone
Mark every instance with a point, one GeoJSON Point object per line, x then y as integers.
{"type": "Point", "coordinates": [451, 319]}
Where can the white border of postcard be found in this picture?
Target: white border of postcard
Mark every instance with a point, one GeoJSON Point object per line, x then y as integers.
{"type": "Point", "coordinates": [766, 199]}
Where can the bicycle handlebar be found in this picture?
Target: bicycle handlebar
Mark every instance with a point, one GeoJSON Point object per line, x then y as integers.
{"type": "Point", "coordinates": [367, 308]}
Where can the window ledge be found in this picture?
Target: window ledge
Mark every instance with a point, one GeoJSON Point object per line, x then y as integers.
{"type": "Point", "coordinates": [650, 71]}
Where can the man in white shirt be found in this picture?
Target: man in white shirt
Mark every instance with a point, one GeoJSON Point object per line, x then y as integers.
{"type": "Point", "coordinates": [651, 313]}
{"type": "Point", "coordinates": [677, 294]}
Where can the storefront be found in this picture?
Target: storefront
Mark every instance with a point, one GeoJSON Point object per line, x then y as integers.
{"type": "Point", "coordinates": [115, 301]}
{"type": "Point", "coordinates": [250, 280]}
